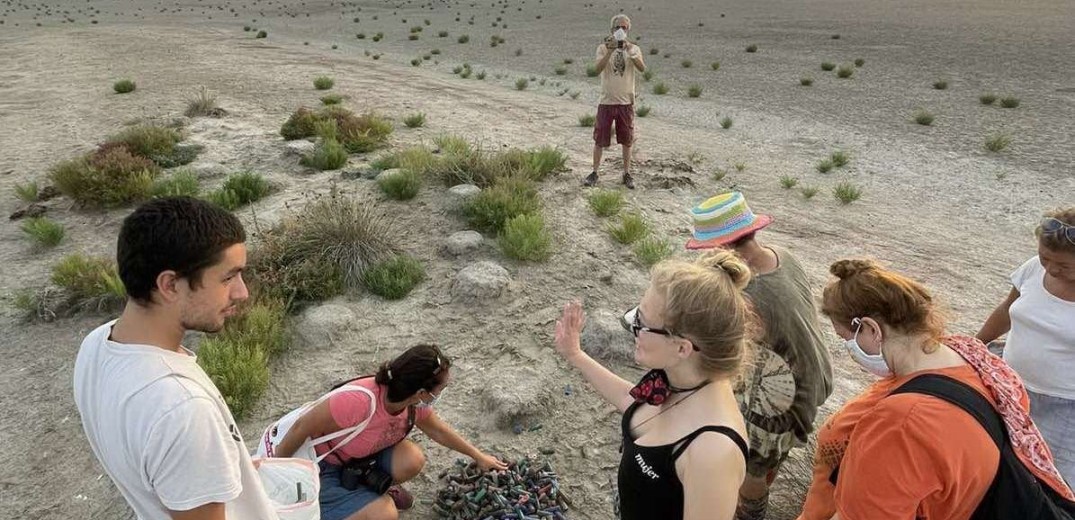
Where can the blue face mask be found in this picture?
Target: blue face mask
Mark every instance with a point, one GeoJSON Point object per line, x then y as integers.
{"type": "Point", "coordinates": [872, 363]}
{"type": "Point", "coordinates": [423, 404]}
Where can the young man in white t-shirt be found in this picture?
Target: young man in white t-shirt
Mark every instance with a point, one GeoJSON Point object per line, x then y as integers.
{"type": "Point", "coordinates": [1039, 317]}
{"type": "Point", "coordinates": [156, 422]}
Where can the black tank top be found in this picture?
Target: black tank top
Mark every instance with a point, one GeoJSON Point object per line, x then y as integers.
{"type": "Point", "coordinates": [648, 484]}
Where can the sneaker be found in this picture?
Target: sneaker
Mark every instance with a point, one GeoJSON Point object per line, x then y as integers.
{"type": "Point", "coordinates": [628, 181]}
{"type": "Point", "coordinates": [401, 497]}
{"type": "Point", "coordinates": [591, 180]}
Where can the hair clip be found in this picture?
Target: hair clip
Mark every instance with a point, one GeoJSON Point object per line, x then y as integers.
{"type": "Point", "coordinates": [389, 374]}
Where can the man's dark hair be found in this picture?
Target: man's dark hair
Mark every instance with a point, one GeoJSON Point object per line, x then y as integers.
{"type": "Point", "coordinates": [180, 234]}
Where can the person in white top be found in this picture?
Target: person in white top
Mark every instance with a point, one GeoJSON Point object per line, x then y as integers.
{"type": "Point", "coordinates": [155, 421]}
{"type": "Point", "coordinates": [1039, 317]}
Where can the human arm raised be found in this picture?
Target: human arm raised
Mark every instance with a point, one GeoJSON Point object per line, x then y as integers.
{"type": "Point", "coordinates": [604, 53]}
{"type": "Point", "coordinates": [612, 387]}
{"type": "Point", "coordinates": [999, 322]}
{"type": "Point", "coordinates": [442, 433]}
{"type": "Point", "coordinates": [635, 53]}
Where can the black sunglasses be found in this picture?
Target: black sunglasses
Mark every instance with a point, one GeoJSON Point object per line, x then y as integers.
{"type": "Point", "coordinates": [1053, 226]}
{"type": "Point", "coordinates": [632, 321]}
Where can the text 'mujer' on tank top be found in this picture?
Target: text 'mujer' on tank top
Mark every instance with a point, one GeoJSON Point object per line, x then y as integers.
{"type": "Point", "coordinates": [649, 487]}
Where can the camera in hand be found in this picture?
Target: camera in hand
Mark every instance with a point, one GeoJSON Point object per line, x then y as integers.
{"type": "Point", "coordinates": [364, 472]}
{"type": "Point", "coordinates": [619, 44]}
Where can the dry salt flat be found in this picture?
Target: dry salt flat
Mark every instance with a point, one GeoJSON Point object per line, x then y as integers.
{"type": "Point", "coordinates": [935, 202]}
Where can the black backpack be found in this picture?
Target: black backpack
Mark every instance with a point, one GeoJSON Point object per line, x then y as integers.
{"type": "Point", "coordinates": [1015, 491]}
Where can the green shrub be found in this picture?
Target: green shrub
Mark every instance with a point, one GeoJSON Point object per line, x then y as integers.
{"type": "Point", "coordinates": [452, 144]}
{"type": "Point", "coordinates": [824, 166]}
{"type": "Point", "coordinates": [686, 64]}
{"type": "Point", "coordinates": [402, 185]}
{"type": "Point", "coordinates": [262, 34]}
{"type": "Point", "coordinates": [415, 120]}
{"type": "Point", "coordinates": [464, 39]}
{"type": "Point", "coordinates": [847, 192]}
{"type": "Point", "coordinates": [442, 34]}
{"type": "Point", "coordinates": [788, 182]}
{"type": "Point", "coordinates": [587, 120]}
{"type": "Point", "coordinates": [394, 278]}
{"type": "Point", "coordinates": [123, 86]}
{"type": "Point", "coordinates": [648, 74]}
{"type": "Point", "coordinates": [300, 125]}
{"type": "Point", "coordinates": [859, 62]}
{"type": "Point", "coordinates": [179, 184]}
{"type": "Point", "coordinates": [827, 66]}
{"type": "Point", "coordinates": [630, 228]}
{"type": "Point", "coordinates": [715, 65]}
{"type": "Point", "coordinates": [239, 371]}
{"type": "Point", "coordinates": [740, 166]}
{"type": "Point", "coordinates": [89, 281]}
{"type": "Point", "coordinates": [987, 99]}
{"type": "Point", "coordinates": [660, 88]}
{"type": "Point", "coordinates": [43, 231]}
{"type": "Point", "coordinates": [521, 84]}
{"type": "Point", "coordinates": [643, 110]}
{"type": "Point", "coordinates": [591, 71]}
{"type": "Point", "coordinates": [839, 158]}
{"type": "Point", "coordinates": [605, 203]}
{"type": "Point", "coordinates": [148, 141]}
{"type": "Point", "coordinates": [107, 178]}
{"type": "Point", "coordinates": [997, 142]}
{"type": "Point", "coordinates": [694, 91]}
{"type": "Point", "coordinates": [654, 51]}
{"type": "Point", "coordinates": [940, 85]}
{"type": "Point", "coordinates": [546, 160]}
{"type": "Point", "coordinates": [560, 70]}
{"type": "Point", "coordinates": [752, 48]}
{"type": "Point", "coordinates": [845, 71]}
{"type": "Point", "coordinates": [726, 123]}
{"type": "Point", "coordinates": [329, 154]}
{"type": "Point", "coordinates": [226, 199]}
{"type": "Point", "coordinates": [27, 192]}
{"type": "Point", "coordinates": [526, 238]}
{"type": "Point", "coordinates": [806, 81]}
{"type": "Point", "coordinates": [808, 191]}
{"type": "Point", "coordinates": [507, 198]}
{"type": "Point", "coordinates": [262, 322]}
{"type": "Point", "coordinates": [323, 82]}
{"type": "Point", "coordinates": [719, 174]}
{"type": "Point", "coordinates": [923, 118]}
{"type": "Point", "coordinates": [248, 187]}
{"type": "Point", "coordinates": [331, 99]}
{"type": "Point", "coordinates": [1009, 102]}
{"type": "Point", "coordinates": [651, 250]}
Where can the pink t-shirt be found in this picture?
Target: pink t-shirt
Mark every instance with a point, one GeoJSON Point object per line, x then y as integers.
{"type": "Point", "coordinates": [384, 430]}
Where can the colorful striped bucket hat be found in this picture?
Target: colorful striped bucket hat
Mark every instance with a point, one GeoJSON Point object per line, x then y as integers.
{"type": "Point", "coordinates": [723, 219]}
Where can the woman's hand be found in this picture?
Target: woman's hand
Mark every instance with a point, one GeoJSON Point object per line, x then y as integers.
{"type": "Point", "coordinates": [489, 462]}
{"type": "Point", "coordinates": [568, 329]}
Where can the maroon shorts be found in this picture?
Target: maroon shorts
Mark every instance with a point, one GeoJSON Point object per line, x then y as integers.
{"type": "Point", "coordinates": [623, 116]}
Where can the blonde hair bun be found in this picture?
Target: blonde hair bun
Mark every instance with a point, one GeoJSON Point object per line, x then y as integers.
{"type": "Point", "coordinates": [848, 267]}
{"type": "Point", "coordinates": [729, 262]}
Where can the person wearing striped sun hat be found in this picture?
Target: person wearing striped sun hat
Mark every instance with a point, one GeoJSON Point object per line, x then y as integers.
{"type": "Point", "coordinates": [792, 373]}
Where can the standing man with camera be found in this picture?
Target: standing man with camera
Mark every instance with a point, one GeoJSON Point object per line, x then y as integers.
{"type": "Point", "coordinates": [617, 61]}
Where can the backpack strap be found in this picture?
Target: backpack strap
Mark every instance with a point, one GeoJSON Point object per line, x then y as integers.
{"type": "Point", "coordinates": [351, 432]}
{"type": "Point", "coordinates": [963, 396]}
{"type": "Point", "coordinates": [683, 443]}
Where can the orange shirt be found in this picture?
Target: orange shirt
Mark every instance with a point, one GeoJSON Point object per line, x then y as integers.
{"type": "Point", "coordinates": [903, 457]}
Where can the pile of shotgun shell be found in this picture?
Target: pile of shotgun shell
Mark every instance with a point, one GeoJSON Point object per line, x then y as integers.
{"type": "Point", "coordinates": [528, 490]}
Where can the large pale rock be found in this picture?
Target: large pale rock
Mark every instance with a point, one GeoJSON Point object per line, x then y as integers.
{"type": "Point", "coordinates": [516, 395]}
{"type": "Point", "coordinates": [464, 191]}
{"type": "Point", "coordinates": [324, 325]}
{"type": "Point", "coordinates": [480, 281]}
{"type": "Point", "coordinates": [605, 338]}
{"type": "Point", "coordinates": [463, 242]}
{"type": "Point", "coordinates": [299, 147]}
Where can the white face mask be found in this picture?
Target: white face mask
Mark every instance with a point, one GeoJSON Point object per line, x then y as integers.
{"type": "Point", "coordinates": [423, 404]}
{"type": "Point", "coordinates": [874, 364]}
{"type": "Point", "coordinates": [620, 35]}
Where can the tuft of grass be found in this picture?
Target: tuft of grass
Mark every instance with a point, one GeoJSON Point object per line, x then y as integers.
{"type": "Point", "coordinates": [506, 199]}
{"type": "Point", "coordinates": [587, 120]}
{"type": "Point", "coordinates": [591, 71]}
{"type": "Point", "coordinates": [827, 66]}
{"type": "Point", "coordinates": [1009, 102]}
{"type": "Point", "coordinates": [643, 110]}
{"type": "Point", "coordinates": [845, 71]}
{"type": "Point", "coordinates": [654, 51]}
{"type": "Point", "coordinates": [987, 99]}
{"type": "Point", "coordinates": [630, 228]}
{"type": "Point", "coordinates": [546, 160]}
{"type": "Point", "coordinates": [859, 62]}
{"type": "Point", "coordinates": [997, 142]}
{"type": "Point", "coordinates": [560, 70]}
{"type": "Point", "coordinates": [416, 62]}
{"type": "Point", "coordinates": [179, 184]}
{"type": "Point", "coordinates": [89, 281]}
{"type": "Point", "coordinates": [694, 91]}
{"type": "Point", "coordinates": [686, 64]}
{"type": "Point", "coordinates": [825, 166]}
{"type": "Point", "coordinates": [521, 83]}
{"type": "Point", "coordinates": [740, 166]}
{"type": "Point", "coordinates": [156, 143]}
{"type": "Point", "coordinates": [394, 278]}
{"type": "Point", "coordinates": [847, 192]}
{"type": "Point", "coordinates": [648, 74]}
{"type": "Point", "coordinates": [123, 86]}
{"type": "Point", "coordinates": [839, 158]}
{"type": "Point", "coordinates": [806, 81]}
{"type": "Point", "coordinates": [526, 238]}
{"type": "Point", "coordinates": [28, 192]}
{"type": "Point", "coordinates": [605, 203]}
{"type": "Point", "coordinates": [940, 85]}
{"type": "Point", "coordinates": [752, 48]}
{"type": "Point", "coordinates": [480, 75]}
{"type": "Point", "coordinates": [923, 117]}
{"type": "Point", "coordinates": [240, 189]}
{"type": "Point", "coordinates": [262, 34]}
{"type": "Point", "coordinates": [660, 88]}
{"type": "Point", "coordinates": [43, 231]}
{"type": "Point", "coordinates": [719, 174]}
{"type": "Point", "coordinates": [452, 144]}
{"type": "Point", "coordinates": [203, 104]}
{"type": "Point", "coordinates": [328, 155]}
{"type": "Point", "coordinates": [726, 123]}
{"type": "Point", "coordinates": [442, 34]}
{"type": "Point", "coordinates": [262, 321]}
{"type": "Point", "coordinates": [808, 191]}
{"type": "Point", "coordinates": [463, 39]}
{"type": "Point", "coordinates": [412, 36]}
{"type": "Point", "coordinates": [415, 120]}
{"type": "Point", "coordinates": [715, 65]}
{"type": "Point", "coordinates": [651, 250]}
{"type": "Point", "coordinates": [107, 178]}
{"type": "Point", "coordinates": [402, 185]}
{"type": "Point", "coordinates": [323, 82]}
{"type": "Point", "coordinates": [788, 182]}
{"type": "Point", "coordinates": [574, 95]}
{"type": "Point", "coordinates": [240, 371]}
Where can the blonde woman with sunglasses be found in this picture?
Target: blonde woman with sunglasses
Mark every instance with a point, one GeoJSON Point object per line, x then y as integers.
{"type": "Point", "coordinates": [1039, 317]}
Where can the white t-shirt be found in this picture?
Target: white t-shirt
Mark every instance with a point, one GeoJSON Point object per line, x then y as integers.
{"type": "Point", "coordinates": [162, 432]}
{"type": "Point", "coordinates": [1041, 343]}
{"type": "Point", "coordinates": [618, 78]}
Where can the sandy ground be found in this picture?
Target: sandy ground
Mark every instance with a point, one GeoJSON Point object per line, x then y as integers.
{"type": "Point", "coordinates": [936, 204]}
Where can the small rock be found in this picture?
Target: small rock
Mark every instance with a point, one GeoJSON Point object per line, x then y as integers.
{"type": "Point", "coordinates": [604, 337]}
{"type": "Point", "coordinates": [210, 170]}
{"type": "Point", "coordinates": [299, 147]}
{"type": "Point", "coordinates": [516, 396]}
{"type": "Point", "coordinates": [479, 282]}
{"type": "Point", "coordinates": [324, 325]}
{"type": "Point", "coordinates": [30, 211]}
{"type": "Point", "coordinates": [358, 172]}
{"type": "Point", "coordinates": [388, 173]}
{"type": "Point", "coordinates": [463, 242]}
{"type": "Point", "coordinates": [464, 191]}
{"type": "Point", "coordinates": [47, 193]}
